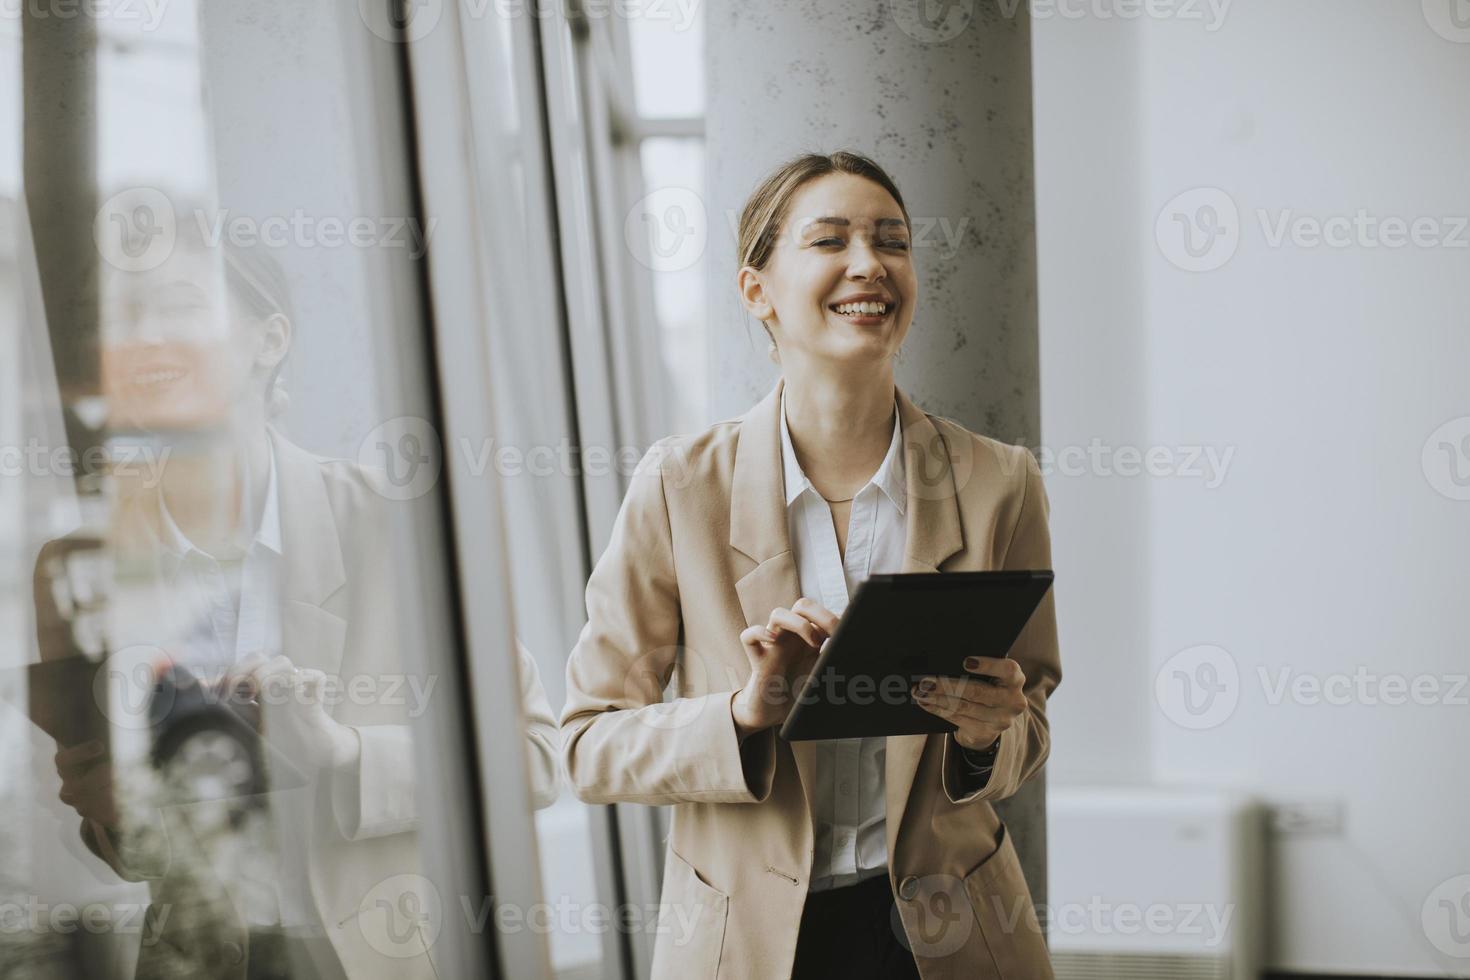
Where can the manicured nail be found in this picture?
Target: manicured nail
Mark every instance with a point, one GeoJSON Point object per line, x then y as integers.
{"type": "Point", "coordinates": [926, 686]}
{"type": "Point", "coordinates": [972, 663]}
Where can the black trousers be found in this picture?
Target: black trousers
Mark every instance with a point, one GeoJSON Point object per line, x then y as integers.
{"type": "Point", "coordinates": [853, 932]}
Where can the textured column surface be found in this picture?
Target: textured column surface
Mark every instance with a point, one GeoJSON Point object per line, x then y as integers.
{"type": "Point", "coordinates": [940, 96]}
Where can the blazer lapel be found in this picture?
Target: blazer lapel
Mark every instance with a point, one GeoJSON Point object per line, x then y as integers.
{"type": "Point", "coordinates": [758, 533]}
{"type": "Point", "coordinates": [934, 534]}
{"type": "Point", "coordinates": [312, 568]}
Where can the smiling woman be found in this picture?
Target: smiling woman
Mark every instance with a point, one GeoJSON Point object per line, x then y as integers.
{"type": "Point", "coordinates": [797, 235]}
{"type": "Point", "coordinates": [732, 576]}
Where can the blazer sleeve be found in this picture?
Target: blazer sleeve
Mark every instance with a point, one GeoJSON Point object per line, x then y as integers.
{"type": "Point", "coordinates": [1025, 745]}
{"type": "Point", "coordinates": [541, 732]}
{"type": "Point", "coordinates": [621, 741]}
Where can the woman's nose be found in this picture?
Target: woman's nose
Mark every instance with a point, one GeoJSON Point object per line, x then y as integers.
{"type": "Point", "coordinates": [865, 263]}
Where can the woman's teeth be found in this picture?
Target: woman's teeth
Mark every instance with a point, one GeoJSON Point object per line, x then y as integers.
{"type": "Point", "coordinates": [156, 377]}
{"type": "Point", "coordinates": [861, 309]}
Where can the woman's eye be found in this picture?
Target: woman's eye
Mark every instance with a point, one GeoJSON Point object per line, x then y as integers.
{"type": "Point", "coordinates": [827, 241]}
{"type": "Point", "coordinates": [897, 243]}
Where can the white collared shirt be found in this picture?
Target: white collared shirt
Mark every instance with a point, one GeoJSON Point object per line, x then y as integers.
{"type": "Point", "coordinates": [238, 599]}
{"type": "Point", "coordinates": [850, 812]}
{"type": "Point", "coordinates": [238, 614]}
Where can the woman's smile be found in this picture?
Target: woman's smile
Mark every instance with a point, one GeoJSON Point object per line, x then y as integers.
{"type": "Point", "coordinates": [864, 309]}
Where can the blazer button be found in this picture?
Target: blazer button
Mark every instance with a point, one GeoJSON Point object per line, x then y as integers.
{"type": "Point", "coordinates": [908, 889]}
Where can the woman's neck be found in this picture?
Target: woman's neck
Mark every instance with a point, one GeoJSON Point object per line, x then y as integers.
{"type": "Point", "coordinates": [206, 493]}
{"type": "Point", "coordinates": [841, 427]}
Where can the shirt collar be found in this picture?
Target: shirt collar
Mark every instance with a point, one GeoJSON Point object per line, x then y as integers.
{"type": "Point", "coordinates": [267, 535]}
{"type": "Point", "coordinates": [889, 477]}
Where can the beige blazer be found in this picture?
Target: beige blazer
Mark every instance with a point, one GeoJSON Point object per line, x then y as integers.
{"type": "Point", "coordinates": [699, 552]}
{"type": "Point", "coordinates": [339, 590]}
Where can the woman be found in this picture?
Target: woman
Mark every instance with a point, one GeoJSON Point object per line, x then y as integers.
{"type": "Point", "coordinates": [252, 562]}
{"type": "Point", "coordinates": [862, 857]}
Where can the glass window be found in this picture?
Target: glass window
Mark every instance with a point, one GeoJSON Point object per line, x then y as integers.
{"type": "Point", "coordinates": [227, 606]}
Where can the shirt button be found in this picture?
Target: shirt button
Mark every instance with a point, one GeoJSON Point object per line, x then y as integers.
{"type": "Point", "coordinates": [845, 787]}
{"type": "Point", "coordinates": [908, 889]}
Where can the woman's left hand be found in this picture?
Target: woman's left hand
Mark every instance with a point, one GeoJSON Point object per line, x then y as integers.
{"type": "Point", "coordinates": [981, 706]}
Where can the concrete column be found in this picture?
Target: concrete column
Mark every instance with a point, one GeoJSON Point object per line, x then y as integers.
{"type": "Point", "coordinates": [940, 96]}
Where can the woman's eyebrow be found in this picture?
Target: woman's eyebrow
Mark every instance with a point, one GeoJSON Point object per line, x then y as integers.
{"type": "Point", "coordinates": [843, 222]}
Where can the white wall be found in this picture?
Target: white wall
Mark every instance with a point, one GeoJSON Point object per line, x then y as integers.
{"type": "Point", "coordinates": [1329, 546]}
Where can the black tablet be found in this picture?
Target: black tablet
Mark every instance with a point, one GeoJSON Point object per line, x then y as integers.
{"type": "Point", "coordinates": [899, 628]}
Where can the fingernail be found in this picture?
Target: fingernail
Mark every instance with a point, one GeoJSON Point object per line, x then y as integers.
{"type": "Point", "coordinates": [972, 663]}
{"type": "Point", "coordinates": [926, 685]}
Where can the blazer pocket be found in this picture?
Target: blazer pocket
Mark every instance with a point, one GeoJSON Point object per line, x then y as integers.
{"type": "Point", "coordinates": [1002, 901]}
{"type": "Point", "coordinates": [691, 923]}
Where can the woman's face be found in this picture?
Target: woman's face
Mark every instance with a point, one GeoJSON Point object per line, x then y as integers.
{"type": "Point", "coordinates": [845, 241]}
{"type": "Point", "coordinates": [176, 354]}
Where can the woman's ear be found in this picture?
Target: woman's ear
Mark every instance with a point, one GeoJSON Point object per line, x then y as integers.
{"type": "Point", "coordinates": [753, 293]}
{"type": "Point", "coordinates": [275, 341]}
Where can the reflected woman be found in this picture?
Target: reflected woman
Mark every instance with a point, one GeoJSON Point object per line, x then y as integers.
{"type": "Point", "coordinates": [260, 573]}
{"type": "Point", "coordinates": [874, 857]}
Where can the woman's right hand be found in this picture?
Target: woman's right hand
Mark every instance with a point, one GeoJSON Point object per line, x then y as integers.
{"type": "Point", "coordinates": [86, 782]}
{"type": "Point", "coordinates": [781, 653]}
